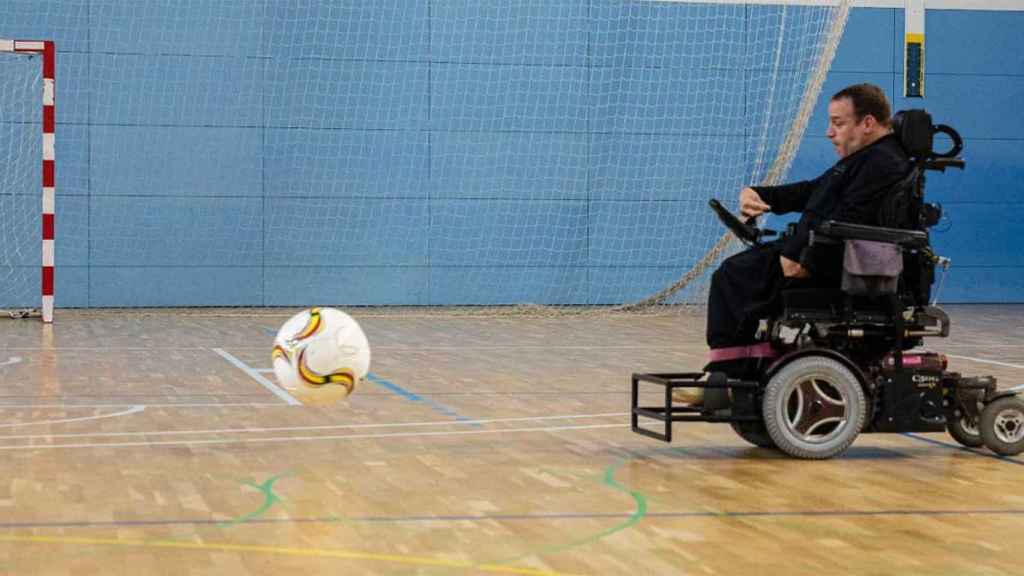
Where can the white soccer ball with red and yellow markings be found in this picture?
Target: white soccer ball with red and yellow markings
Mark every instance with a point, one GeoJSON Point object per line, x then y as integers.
{"type": "Point", "coordinates": [320, 355]}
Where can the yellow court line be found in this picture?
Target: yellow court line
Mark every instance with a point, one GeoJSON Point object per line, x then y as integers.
{"type": "Point", "coordinates": [286, 551]}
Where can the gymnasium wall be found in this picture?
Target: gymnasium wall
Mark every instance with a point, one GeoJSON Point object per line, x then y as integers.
{"type": "Point", "coordinates": [163, 201]}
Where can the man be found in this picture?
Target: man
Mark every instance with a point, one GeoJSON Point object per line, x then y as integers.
{"type": "Point", "coordinates": [746, 287]}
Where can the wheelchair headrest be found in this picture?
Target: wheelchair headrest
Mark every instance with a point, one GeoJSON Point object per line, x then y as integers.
{"type": "Point", "coordinates": [915, 131]}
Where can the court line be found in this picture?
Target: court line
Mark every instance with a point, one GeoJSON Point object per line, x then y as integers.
{"type": "Point", "coordinates": [518, 517]}
{"type": "Point", "coordinates": [280, 550]}
{"type": "Point", "coordinates": [320, 427]}
{"type": "Point", "coordinates": [985, 361]}
{"type": "Point", "coordinates": [274, 388]}
{"type": "Point", "coordinates": [132, 410]}
{"type": "Point", "coordinates": [182, 404]}
{"type": "Point", "coordinates": [310, 438]}
{"type": "Point", "coordinates": [978, 451]}
{"type": "Point", "coordinates": [414, 397]}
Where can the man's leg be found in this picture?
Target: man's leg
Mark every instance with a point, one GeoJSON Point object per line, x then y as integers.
{"type": "Point", "coordinates": [740, 288]}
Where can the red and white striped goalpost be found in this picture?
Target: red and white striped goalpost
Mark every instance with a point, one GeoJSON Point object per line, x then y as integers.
{"type": "Point", "coordinates": [49, 56]}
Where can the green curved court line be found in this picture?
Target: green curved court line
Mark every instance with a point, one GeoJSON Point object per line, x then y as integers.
{"type": "Point", "coordinates": [267, 488]}
{"type": "Point", "coordinates": [608, 480]}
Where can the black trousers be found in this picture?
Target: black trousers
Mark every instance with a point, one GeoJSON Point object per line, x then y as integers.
{"type": "Point", "coordinates": [744, 289]}
{"type": "Point", "coordinates": [748, 287]}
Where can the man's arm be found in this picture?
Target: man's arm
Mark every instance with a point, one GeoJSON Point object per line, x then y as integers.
{"type": "Point", "coordinates": [788, 197]}
{"type": "Point", "coordinates": [853, 203]}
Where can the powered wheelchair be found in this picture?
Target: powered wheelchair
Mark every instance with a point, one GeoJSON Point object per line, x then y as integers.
{"type": "Point", "coordinates": [838, 362]}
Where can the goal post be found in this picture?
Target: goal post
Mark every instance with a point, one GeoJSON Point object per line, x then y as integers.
{"type": "Point", "coordinates": [27, 131]}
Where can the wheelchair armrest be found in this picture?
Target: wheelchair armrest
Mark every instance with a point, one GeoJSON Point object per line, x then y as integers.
{"type": "Point", "coordinates": [941, 164]}
{"type": "Point", "coordinates": [833, 230]}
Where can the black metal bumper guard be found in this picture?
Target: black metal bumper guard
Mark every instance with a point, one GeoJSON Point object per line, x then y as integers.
{"type": "Point", "coordinates": [669, 413]}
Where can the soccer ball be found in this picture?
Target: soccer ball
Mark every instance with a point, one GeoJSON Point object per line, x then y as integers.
{"type": "Point", "coordinates": [320, 355]}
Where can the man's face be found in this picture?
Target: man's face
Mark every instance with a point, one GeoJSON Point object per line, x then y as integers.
{"type": "Point", "coordinates": [844, 130]}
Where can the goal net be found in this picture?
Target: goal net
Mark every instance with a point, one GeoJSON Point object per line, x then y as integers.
{"type": "Point", "coordinates": [26, 198]}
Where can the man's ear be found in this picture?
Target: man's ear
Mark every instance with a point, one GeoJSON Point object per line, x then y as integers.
{"type": "Point", "coordinates": [870, 122]}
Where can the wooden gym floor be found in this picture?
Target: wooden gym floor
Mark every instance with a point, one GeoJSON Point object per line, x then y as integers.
{"type": "Point", "coordinates": [157, 443]}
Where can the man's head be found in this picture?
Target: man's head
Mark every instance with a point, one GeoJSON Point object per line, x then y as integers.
{"type": "Point", "coordinates": [858, 115]}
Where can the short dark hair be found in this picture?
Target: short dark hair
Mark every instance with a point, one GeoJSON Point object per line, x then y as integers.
{"type": "Point", "coordinates": [867, 99]}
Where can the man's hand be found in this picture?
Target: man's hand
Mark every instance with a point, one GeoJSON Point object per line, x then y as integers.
{"type": "Point", "coordinates": [791, 269]}
{"type": "Point", "coordinates": [751, 203]}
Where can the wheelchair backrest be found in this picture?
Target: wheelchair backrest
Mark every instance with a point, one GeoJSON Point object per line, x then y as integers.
{"type": "Point", "coordinates": [904, 207]}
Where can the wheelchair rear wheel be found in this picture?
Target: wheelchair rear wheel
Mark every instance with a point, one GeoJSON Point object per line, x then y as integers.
{"type": "Point", "coordinates": [814, 407]}
{"type": "Point", "coordinates": [1002, 426]}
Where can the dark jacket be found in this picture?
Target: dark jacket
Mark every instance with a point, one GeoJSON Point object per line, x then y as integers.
{"type": "Point", "coordinates": [851, 191]}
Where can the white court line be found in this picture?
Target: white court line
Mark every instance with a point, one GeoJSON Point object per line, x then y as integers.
{"type": "Point", "coordinates": [322, 427]}
{"type": "Point", "coordinates": [132, 410]}
{"type": "Point", "coordinates": [311, 438]}
{"type": "Point", "coordinates": [11, 361]}
{"type": "Point", "coordinates": [997, 363]}
{"type": "Point", "coordinates": [182, 404]}
{"type": "Point", "coordinates": [279, 392]}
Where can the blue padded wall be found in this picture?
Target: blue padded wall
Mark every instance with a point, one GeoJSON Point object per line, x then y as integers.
{"type": "Point", "coordinates": [209, 163]}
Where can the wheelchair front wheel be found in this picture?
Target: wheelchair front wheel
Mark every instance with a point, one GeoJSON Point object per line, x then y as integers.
{"type": "Point", "coordinates": [965, 431]}
{"type": "Point", "coordinates": [814, 407]}
{"type": "Point", "coordinates": [1002, 426]}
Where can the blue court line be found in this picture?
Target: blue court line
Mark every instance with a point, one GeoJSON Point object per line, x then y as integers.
{"type": "Point", "coordinates": [978, 451]}
{"type": "Point", "coordinates": [414, 397]}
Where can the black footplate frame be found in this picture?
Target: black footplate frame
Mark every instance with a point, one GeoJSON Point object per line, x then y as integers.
{"type": "Point", "coordinates": [669, 413]}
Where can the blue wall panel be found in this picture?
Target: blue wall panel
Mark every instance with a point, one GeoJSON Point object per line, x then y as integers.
{"type": "Point", "coordinates": [980, 235]}
{"type": "Point", "coordinates": [508, 233]}
{"type": "Point", "coordinates": [868, 42]}
{"type": "Point", "coordinates": [655, 100]}
{"type": "Point", "coordinates": [348, 94]}
{"type": "Point", "coordinates": [175, 231]}
{"type": "Point", "coordinates": [349, 30]}
{"type": "Point", "coordinates": [497, 285]}
{"type": "Point", "coordinates": [657, 34]}
{"type": "Point", "coordinates": [346, 285]}
{"type": "Point", "coordinates": [74, 88]}
{"type": "Point", "coordinates": [73, 150]}
{"type": "Point", "coordinates": [497, 31]}
{"type": "Point", "coordinates": [508, 98]}
{"type": "Point", "coordinates": [71, 287]}
{"type": "Point", "coordinates": [983, 284]}
{"type": "Point", "coordinates": [631, 233]}
{"type": "Point", "coordinates": [221, 28]}
{"type": "Point", "coordinates": [664, 167]}
{"type": "Point", "coordinates": [175, 286]}
{"type": "Point", "coordinates": [175, 90]}
{"type": "Point", "coordinates": [346, 163]}
{"type": "Point", "coordinates": [345, 232]}
{"type": "Point", "coordinates": [509, 165]}
{"type": "Point", "coordinates": [176, 161]}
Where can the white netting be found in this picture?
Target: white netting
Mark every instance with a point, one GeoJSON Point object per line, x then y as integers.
{"type": "Point", "coordinates": [21, 96]}
{"type": "Point", "coordinates": [410, 152]}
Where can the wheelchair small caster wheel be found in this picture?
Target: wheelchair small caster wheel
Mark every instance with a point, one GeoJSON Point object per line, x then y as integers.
{"type": "Point", "coordinates": [965, 431]}
{"type": "Point", "coordinates": [1002, 426]}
